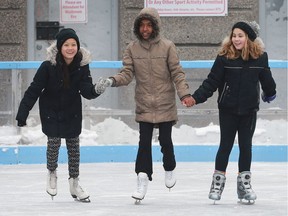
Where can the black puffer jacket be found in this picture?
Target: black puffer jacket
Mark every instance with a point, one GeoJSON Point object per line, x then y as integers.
{"type": "Point", "coordinates": [60, 108]}
{"type": "Point", "coordinates": [237, 82]}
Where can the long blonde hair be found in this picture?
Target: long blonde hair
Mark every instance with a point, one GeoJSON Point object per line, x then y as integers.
{"type": "Point", "coordinates": [252, 49]}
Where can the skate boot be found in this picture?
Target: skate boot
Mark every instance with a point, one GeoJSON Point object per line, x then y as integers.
{"type": "Point", "coordinates": [51, 187]}
{"type": "Point", "coordinates": [142, 185]}
{"type": "Point", "coordinates": [170, 179]}
{"type": "Point", "coordinates": [77, 192]}
{"type": "Point", "coordinates": [244, 188]}
{"type": "Point", "coordinates": [217, 186]}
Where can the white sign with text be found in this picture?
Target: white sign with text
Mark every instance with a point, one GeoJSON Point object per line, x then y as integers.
{"type": "Point", "coordinates": [189, 7]}
{"type": "Point", "coordinates": [73, 11]}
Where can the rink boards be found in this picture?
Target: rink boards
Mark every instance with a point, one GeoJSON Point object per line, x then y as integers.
{"type": "Point", "coordinates": [127, 153]}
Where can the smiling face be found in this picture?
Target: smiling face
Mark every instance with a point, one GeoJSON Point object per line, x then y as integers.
{"type": "Point", "coordinates": [239, 38]}
{"type": "Point", "coordinates": [69, 50]}
{"type": "Point", "coordinates": [146, 29]}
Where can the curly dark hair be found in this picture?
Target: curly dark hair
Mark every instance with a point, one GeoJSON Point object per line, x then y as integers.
{"type": "Point", "coordinates": [153, 20]}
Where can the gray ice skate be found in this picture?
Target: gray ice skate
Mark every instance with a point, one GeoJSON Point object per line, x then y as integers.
{"type": "Point", "coordinates": [244, 188]}
{"type": "Point", "coordinates": [217, 186]}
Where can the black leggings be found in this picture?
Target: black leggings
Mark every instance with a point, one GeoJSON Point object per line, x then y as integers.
{"type": "Point", "coordinates": [230, 124]}
{"type": "Point", "coordinates": [144, 155]}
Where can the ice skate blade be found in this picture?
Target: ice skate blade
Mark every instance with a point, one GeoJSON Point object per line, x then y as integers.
{"type": "Point", "coordinates": [246, 202]}
{"type": "Point", "coordinates": [137, 200]}
{"type": "Point", "coordinates": [86, 200]}
{"type": "Point", "coordinates": [214, 197]}
{"type": "Point", "coordinates": [214, 202]}
{"type": "Point", "coordinates": [169, 187]}
{"type": "Point", "coordinates": [52, 195]}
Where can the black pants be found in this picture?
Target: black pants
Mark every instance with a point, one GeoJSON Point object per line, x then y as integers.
{"type": "Point", "coordinates": [73, 151]}
{"type": "Point", "coordinates": [144, 155]}
{"type": "Point", "coordinates": [230, 124]}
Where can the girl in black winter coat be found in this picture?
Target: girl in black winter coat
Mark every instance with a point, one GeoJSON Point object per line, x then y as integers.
{"type": "Point", "coordinates": [59, 83]}
{"type": "Point", "coordinates": [239, 69]}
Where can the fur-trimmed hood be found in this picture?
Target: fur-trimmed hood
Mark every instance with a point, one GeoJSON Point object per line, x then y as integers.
{"type": "Point", "coordinates": [52, 52]}
{"type": "Point", "coordinates": [152, 15]}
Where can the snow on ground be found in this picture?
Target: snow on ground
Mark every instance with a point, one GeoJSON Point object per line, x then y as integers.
{"type": "Point", "coordinates": [114, 131]}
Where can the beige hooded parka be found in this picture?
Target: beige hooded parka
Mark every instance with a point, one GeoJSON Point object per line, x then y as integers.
{"type": "Point", "coordinates": [155, 65]}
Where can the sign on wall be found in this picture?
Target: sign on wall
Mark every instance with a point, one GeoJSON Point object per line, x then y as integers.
{"type": "Point", "coordinates": [189, 7]}
{"type": "Point", "coordinates": [73, 11]}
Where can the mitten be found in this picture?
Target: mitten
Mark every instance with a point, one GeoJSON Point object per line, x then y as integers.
{"type": "Point", "coordinates": [266, 98]}
{"type": "Point", "coordinates": [109, 82]}
{"type": "Point", "coordinates": [100, 86]}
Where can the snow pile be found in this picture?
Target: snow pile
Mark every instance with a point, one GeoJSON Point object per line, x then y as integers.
{"type": "Point", "coordinates": [116, 132]}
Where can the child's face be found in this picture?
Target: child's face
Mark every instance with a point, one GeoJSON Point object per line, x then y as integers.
{"type": "Point", "coordinates": [146, 29]}
{"type": "Point", "coordinates": [69, 50]}
{"type": "Point", "coordinates": [239, 38]}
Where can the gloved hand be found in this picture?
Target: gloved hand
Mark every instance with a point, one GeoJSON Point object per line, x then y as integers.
{"type": "Point", "coordinates": [109, 82]}
{"type": "Point", "coordinates": [266, 98]}
{"type": "Point", "coordinates": [21, 123]}
{"type": "Point", "coordinates": [100, 86]}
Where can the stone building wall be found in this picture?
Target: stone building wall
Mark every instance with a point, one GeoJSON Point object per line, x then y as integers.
{"type": "Point", "coordinates": [196, 38]}
{"type": "Point", "coordinates": [13, 46]}
{"type": "Point", "coordinates": [13, 30]}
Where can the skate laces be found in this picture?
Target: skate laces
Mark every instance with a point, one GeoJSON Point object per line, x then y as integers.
{"type": "Point", "coordinates": [53, 179]}
{"type": "Point", "coordinates": [169, 175]}
{"type": "Point", "coordinates": [141, 183]}
{"type": "Point", "coordinates": [77, 186]}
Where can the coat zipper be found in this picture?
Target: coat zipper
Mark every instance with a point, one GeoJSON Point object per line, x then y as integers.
{"type": "Point", "coordinates": [226, 87]}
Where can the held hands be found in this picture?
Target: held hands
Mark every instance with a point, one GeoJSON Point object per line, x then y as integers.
{"type": "Point", "coordinates": [266, 98]}
{"type": "Point", "coordinates": [188, 101]}
{"type": "Point", "coordinates": [102, 84]}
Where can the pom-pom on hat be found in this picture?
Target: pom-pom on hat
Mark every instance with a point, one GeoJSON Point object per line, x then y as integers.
{"type": "Point", "coordinates": [250, 28]}
{"type": "Point", "coordinates": [64, 35]}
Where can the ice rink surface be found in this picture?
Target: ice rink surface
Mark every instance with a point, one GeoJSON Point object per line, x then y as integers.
{"type": "Point", "coordinates": [111, 184]}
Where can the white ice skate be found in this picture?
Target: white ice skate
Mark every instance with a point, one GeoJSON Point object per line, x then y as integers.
{"type": "Point", "coordinates": [51, 187]}
{"type": "Point", "coordinates": [77, 192]}
{"type": "Point", "coordinates": [142, 185]}
{"type": "Point", "coordinates": [170, 179]}
{"type": "Point", "coordinates": [244, 188]}
{"type": "Point", "coordinates": [217, 186]}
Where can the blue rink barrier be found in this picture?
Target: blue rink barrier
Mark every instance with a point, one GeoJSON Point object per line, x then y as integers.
{"type": "Point", "coordinates": [127, 153]}
{"type": "Point", "coordinates": [118, 64]}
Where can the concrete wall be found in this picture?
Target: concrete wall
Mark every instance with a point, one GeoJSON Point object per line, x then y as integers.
{"type": "Point", "coordinates": [13, 46]}
{"type": "Point", "coordinates": [196, 38]}
{"type": "Point", "coordinates": [13, 39]}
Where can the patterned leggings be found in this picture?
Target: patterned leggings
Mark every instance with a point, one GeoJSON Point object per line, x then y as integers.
{"type": "Point", "coordinates": [73, 151]}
